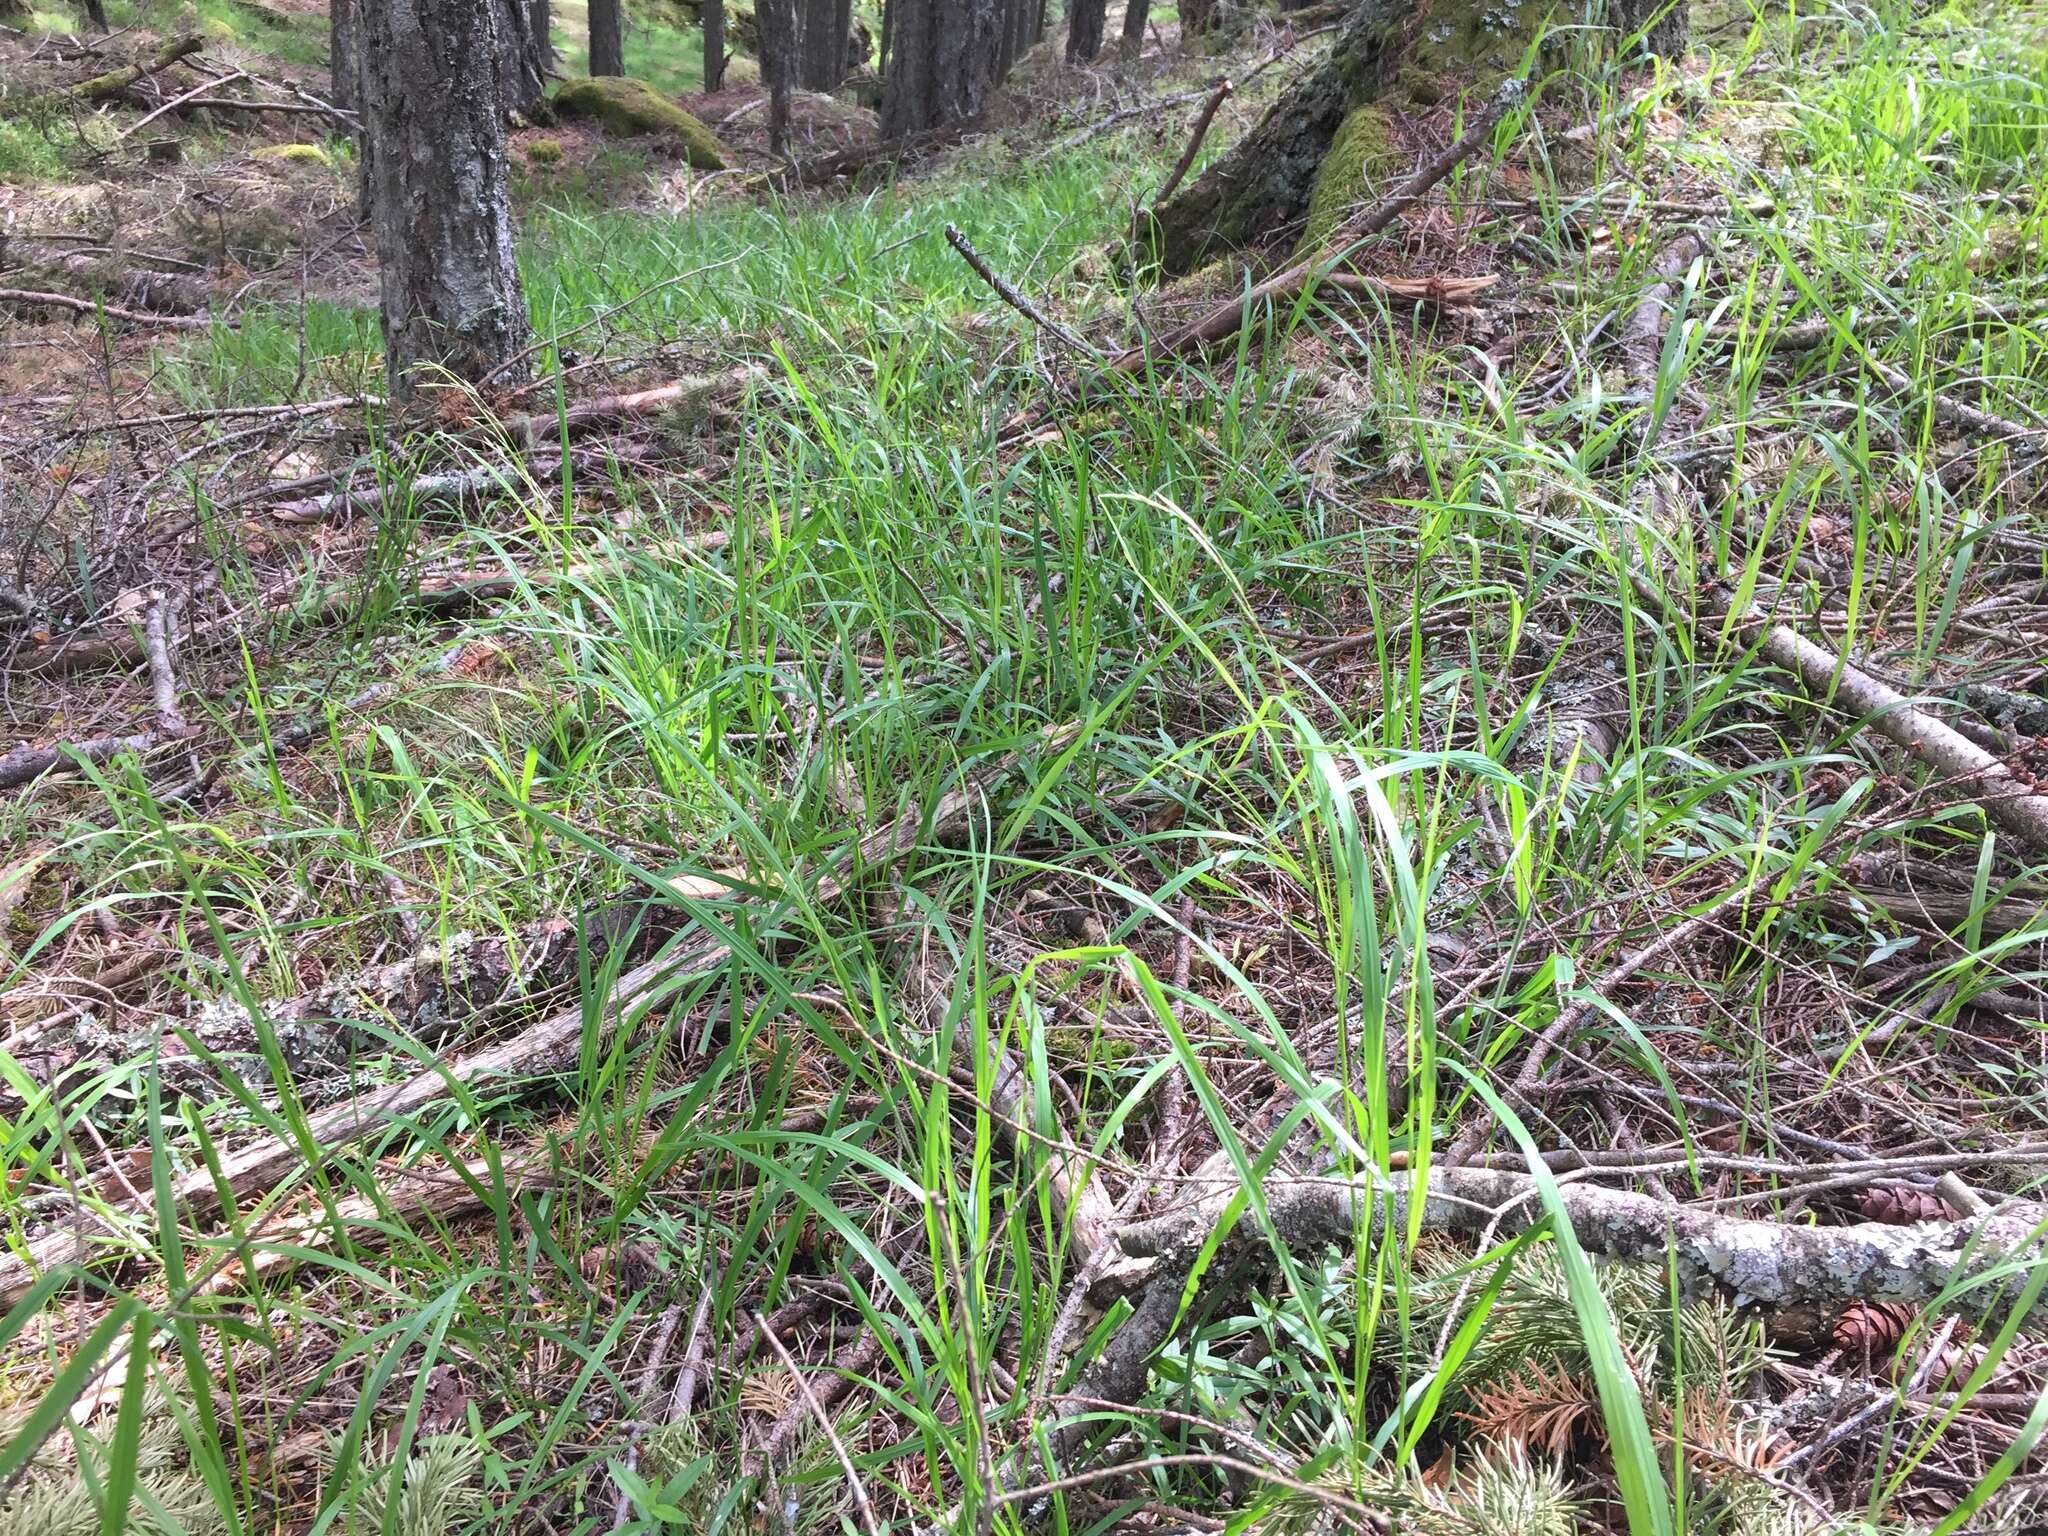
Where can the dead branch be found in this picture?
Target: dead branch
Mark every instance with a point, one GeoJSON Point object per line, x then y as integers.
{"type": "Point", "coordinates": [27, 762]}
{"type": "Point", "coordinates": [157, 636]}
{"type": "Point", "coordinates": [443, 591]}
{"type": "Point", "coordinates": [31, 298]}
{"type": "Point", "coordinates": [1228, 319]}
{"type": "Point", "coordinates": [178, 101]}
{"type": "Point", "coordinates": [112, 83]}
{"type": "Point", "coordinates": [1187, 156]}
{"type": "Point", "coordinates": [863, 1358]}
{"type": "Point", "coordinates": [1011, 296]}
{"type": "Point", "coordinates": [1961, 1264]}
{"type": "Point", "coordinates": [608, 410]}
{"type": "Point", "coordinates": [512, 1066]}
{"type": "Point", "coordinates": [1970, 420]}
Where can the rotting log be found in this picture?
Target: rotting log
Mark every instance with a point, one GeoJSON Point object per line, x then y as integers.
{"type": "Point", "coordinates": [1392, 49]}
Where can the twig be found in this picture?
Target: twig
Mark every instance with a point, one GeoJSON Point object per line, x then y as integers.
{"type": "Point", "coordinates": [1569, 1019]}
{"type": "Point", "coordinates": [817, 1408]}
{"type": "Point", "coordinates": [114, 81]}
{"type": "Point", "coordinates": [1016, 300]}
{"type": "Point", "coordinates": [622, 1502]}
{"type": "Point", "coordinates": [1200, 132]}
{"type": "Point", "coordinates": [178, 101]}
{"type": "Point", "coordinates": [77, 306]}
{"type": "Point", "coordinates": [1967, 419]}
{"type": "Point", "coordinates": [693, 1356]}
{"type": "Point", "coordinates": [1227, 319]}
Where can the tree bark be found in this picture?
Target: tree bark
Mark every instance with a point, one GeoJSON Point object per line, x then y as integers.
{"type": "Point", "coordinates": [1197, 18]}
{"type": "Point", "coordinates": [942, 58]}
{"type": "Point", "coordinates": [96, 13]}
{"type": "Point", "coordinates": [342, 63]}
{"type": "Point", "coordinates": [607, 38]}
{"type": "Point", "coordinates": [777, 21]}
{"type": "Point", "coordinates": [714, 44]}
{"type": "Point", "coordinates": [1136, 13]}
{"type": "Point", "coordinates": [522, 58]}
{"type": "Point", "coordinates": [1262, 187]}
{"type": "Point", "coordinates": [438, 189]}
{"type": "Point", "coordinates": [1084, 30]}
{"type": "Point", "coordinates": [822, 52]}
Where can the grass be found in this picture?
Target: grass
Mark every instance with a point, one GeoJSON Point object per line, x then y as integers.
{"type": "Point", "coordinates": [1396, 874]}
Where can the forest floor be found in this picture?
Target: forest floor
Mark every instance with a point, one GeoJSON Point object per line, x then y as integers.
{"type": "Point", "coordinates": [656, 966]}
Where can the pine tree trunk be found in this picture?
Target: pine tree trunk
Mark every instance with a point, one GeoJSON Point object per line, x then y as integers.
{"type": "Point", "coordinates": [776, 20]}
{"type": "Point", "coordinates": [1263, 186]}
{"type": "Point", "coordinates": [1136, 12]}
{"type": "Point", "coordinates": [1084, 30]}
{"type": "Point", "coordinates": [96, 13]}
{"type": "Point", "coordinates": [607, 38]}
{"type": "Point", "coordinates": [714, 44]}
{"type": "Point", "coordinates": [942, 59]}
{"type": "Point", "coordinates": [439, 200]}
{"type": "Point", "coordinates": [822, 54]}
{"type": "Point", "coordinates": [522, 57]}
{"type": "Point", "coordinates": [1197, 18]}
{"type": "Point", "coordinates": [342, 62]}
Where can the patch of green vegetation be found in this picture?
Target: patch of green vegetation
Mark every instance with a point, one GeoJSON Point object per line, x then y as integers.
{"type": "Point", "coordinates": [633, 107]}
{"type": "Point", "coordinates": [544, 151]}
{"type": "Point", "coordinates": [32, 151]}
{"type": "Point", "coordinates": [1361, 156]}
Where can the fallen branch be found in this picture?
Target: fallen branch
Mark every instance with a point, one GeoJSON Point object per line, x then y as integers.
{"type": "Point", "coordinates": [1228, 319]}
{"type": "Point", "coordinates": [30, 297]}
{"type": "Point", "coordinates": [1751, 1263]}
{"type": "Point", "coordinates": [178, 101]}
{"type": "Point", "coordinates": [158, 639]}
{"type": "Point", "coordinates": [445, 591]}
{"type": "Point", "coordinates": [1014, 298]}
{"type": "Point", "coordinates": [112, 83]}
{"type": "Point", "coordinates": [607, 410]}
{"type": "Point", "coordinates": [1187, 156]}
{"type": "Point", "coordinates": [27, 762]}
{"type": "Point", "coordinates": [513, 1066]}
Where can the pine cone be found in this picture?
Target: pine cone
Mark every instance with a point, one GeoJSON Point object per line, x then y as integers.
{"type": "Point", "coordinates": [1898, 1204]}
{"type": "Point", "coordinates": [1868, 1327]}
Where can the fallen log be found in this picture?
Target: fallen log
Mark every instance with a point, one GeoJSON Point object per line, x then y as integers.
{"type": "Point", "coordinates": [515, 1065]}
{"type": "Point", "coordinates": [28, 761]}
{"type": "Point", "coordinates": [112, 83]}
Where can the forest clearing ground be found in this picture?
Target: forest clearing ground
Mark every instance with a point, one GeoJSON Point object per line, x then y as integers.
{"type": "Point", "coordinates": [1089, 799]}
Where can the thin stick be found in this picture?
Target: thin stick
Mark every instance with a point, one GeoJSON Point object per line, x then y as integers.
{"type": "Point", "coordinates": [30, 297]}
{"type": "Point", "coordinates": [1016, 300]}
{"type": "Point", "coordinates": [1228, 319]}
{"type": "Point", "coordinates": [693, 1356]}
{"type": "Point", "coordinates": [803, 1385]}
{"type": "Point", "coordinates": [622, 1502]}
{"type": "Point", "coordinates": [178, 101]}
{"type": "Point", "coordinates": [1200, 132]}
{"type": "Point", "coordinates": [1569, 1019]}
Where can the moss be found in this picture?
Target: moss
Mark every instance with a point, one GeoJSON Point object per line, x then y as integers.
{"type": "Point", "coordinates": [1360, 157]}
{"type": "Point", "coordinates": [739, 71]}
{"type": "Point", "coordinates": [1088, 1046]}
{"type": "Point", "coordinates": [628, 106]}
{"type": "Point", "coordinates": [1477, 41]}
{"type": "Point", "coordinates": [545, 151]}
{"type": "Point", "coordinates": [305, 154]}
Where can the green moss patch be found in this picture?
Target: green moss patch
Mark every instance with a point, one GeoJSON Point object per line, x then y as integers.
{"type": "Point", "coordinates": [1361, 158]}
{"type": "Point", "coordinates": [627, 106]}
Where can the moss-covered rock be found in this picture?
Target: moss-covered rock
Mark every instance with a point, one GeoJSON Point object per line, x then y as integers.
{"type": "Point", "coordinates": [627, 106]}
{"type": "Point", "coordinates": [306, 154]}
{"type": "Point", "coordinates": [544, 151]}
{"type": "Point", "coordinates": [1361, 158]}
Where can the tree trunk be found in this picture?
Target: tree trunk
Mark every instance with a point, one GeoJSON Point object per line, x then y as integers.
{"type": "Point", "coordinates": [439, 201]}
{"type": "Point", "coordinates": [607, 38]}
{"type": "Point", "coordinates": [942, 56]}
{"type": "Point", "coordinates": [1197, 18]}
{"type": "Point", "coordinates": [1135, 15]}
{"type": "Point", "coordinates": [1263, 187]}
{"type": "Point", "coordinates": [96, 13]}
{"type": "Point", "coordinates": [522, 57]}
{"type": "Point", "coordinates": [777, 22]}
{"type": "Point", "coordinates": [714, 44]}
{"type": "Point", "coordinates": [342, 63]}
{"type": "Point", "coordinates": [822, 52]}
{"type": "Point", "coordinates": [541, 24]}
{"type": "Point", "coordinates": [1084, 30]}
